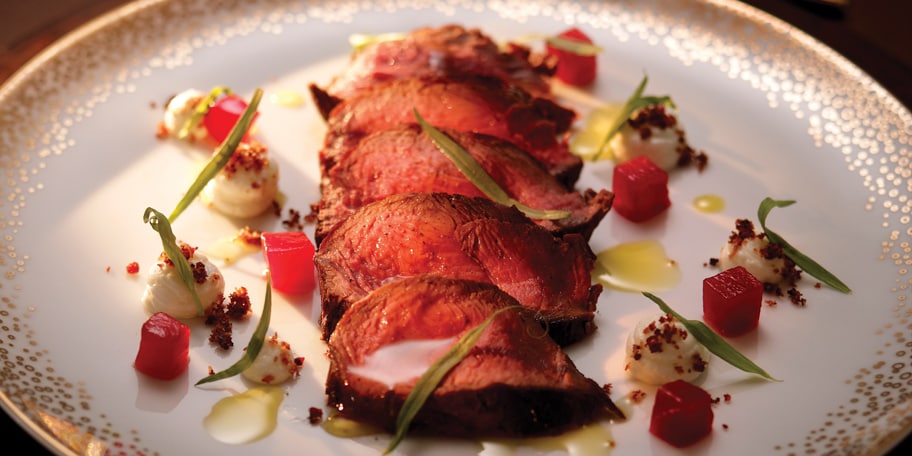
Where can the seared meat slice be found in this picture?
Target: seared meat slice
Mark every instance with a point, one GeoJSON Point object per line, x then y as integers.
{"type": "Point", "coordinates": [442, 51]}
{"type": "Point", "coordinates": [405, 160]}
{"type": "Point", "coordinates": [470, 103]}
{"type": "Point", "coordinates": [513, 383]}
{"type": "Point", "coordinates": [461, 237]}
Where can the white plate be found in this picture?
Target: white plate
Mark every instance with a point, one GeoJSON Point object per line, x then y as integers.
{"type": "Point", "coordinates": [779, 115]}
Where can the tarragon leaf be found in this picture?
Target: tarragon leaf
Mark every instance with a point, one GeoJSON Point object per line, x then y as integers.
{"type": "Point", "coordinates": [636, 102]}
{"type": "Point", "coordinates": [478, 176]}
{"type": "Point", "coordinates": [160, 224]}
{"type": "Point", "coordinates": [220, 157]}
{"type": "Point", "coordinates": [803, 261]}
{"type": "Point", "coordinates": [712, 341]}
{"type": "Point", "coordinates": [432, 377]}
{"type": "Point", "coordinates": [253, 347]}
{"type": "Point", "coordinates": [200, 110]}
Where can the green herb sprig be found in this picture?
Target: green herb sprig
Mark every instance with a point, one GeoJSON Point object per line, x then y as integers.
{"type": "Point", "coordinates": [220, 157]}
{"type": "Point", "coordinates": [432, 377]}
{"type": "Point", "coordinates": [803, 261]}
{"type": "Point", "coordinates": [160, 224]}
{"type": "Point", "coordinates": [200, 110]}
{"type": "Point", "coordinates": [636, 102]}
{"type": "Point", "coordinates": [712, 341]}
{"type": "Point", "coordinates": [253, 347]}
{"type": "Point", "coordinates": [478, 176]}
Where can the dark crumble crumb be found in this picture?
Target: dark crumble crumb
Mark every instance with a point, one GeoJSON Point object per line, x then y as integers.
{"type": "Point", "coordinates": [796, 297]}
{"type": "Point", "coordinates": [221, 333]}
{"type": "Point", "coordinates": [220, 314]}
{"type": "Point", "coordinates": [637, 396]}
{"type": "Point", "coordinates": [294, 222]}
{"type": "Point", "coordinates": [315, 416]}
{"type": "Point", "coordinates": [238, 304]}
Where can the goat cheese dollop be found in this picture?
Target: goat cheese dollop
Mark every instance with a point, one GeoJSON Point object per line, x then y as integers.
{"type": "Point", "coordinates": [274, 364]}
{"type": "Point", "coordinates": [755, 253]}
{"type": "Point", "coordinates": [166, 292]}
{"type": "Point", "coordinates": [655, 133]}
{"type": "Point", "coordinates": [661, 350]}
{"type": "Point", "coordinates": [179, 110]}
{"type": "Point", "coordinates": [248, 184]}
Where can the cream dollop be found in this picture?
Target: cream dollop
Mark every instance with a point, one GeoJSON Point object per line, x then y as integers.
{"type": "Point", "coordinates": [179, 110]}
{"type": "Point", "coordinates": [248, 184]}
{"type": "Point", "coordinates": [748, 252]}
{"type": "Point", "coordinates": [274, 364]}
{"type": "Point", "coordinates": [654, 133]}
{"type": "Point", "coordinates": [166, 292]}
{"type": "Point", "coordinates": [661, 350]}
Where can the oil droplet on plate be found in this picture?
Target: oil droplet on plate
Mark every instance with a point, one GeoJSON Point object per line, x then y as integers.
{"type": "Point", "coordinates": [346, 428]}
{"type": "Point", "coordinates": [591, 440]}
{"type": "Point", "coordinates": [709, 203]}
{"type": "Point", "coordinates": [637, 266]}
{"type": "Point", "coordinates": [287, 98]}
{"type": "Point", "coordinates": [245, 417]}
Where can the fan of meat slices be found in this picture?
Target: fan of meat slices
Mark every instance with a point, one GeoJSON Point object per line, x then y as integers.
{"type": "Point", "coordinates": [410, 251]}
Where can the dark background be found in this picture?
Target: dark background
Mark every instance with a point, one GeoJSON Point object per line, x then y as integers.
{"type": "Point", "coordinates": [874, 34]}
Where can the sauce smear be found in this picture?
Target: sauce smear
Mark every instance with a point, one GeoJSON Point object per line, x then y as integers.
{"type": "Point", "coordinates": [637, 266]}
{"type": "Point", "coordinates": [245, 417]}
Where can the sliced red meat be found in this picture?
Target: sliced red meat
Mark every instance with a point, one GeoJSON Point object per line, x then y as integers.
{"type": "Point", "coordinates": [442, 51]}
{"type": "Point", "coordinates": [513, 383]}
{"type": "Point", "coordinates": [470, 103]}
{"type": "Point", "coordinates": [405, 160]}
{"type": "Point", "coordinates": [461, 237]}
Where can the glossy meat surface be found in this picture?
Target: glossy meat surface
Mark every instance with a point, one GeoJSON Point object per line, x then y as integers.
{"type": "Point", "coordinates": [441, 51]}
{"type": "Point", "coordinates": [471, 104]}
{"type": "Point", "coordinates": [513, 383]}
{"type": "Point", "coordinates": [405, 160]}
{"type": "Point", "coordinates": [460, 237]}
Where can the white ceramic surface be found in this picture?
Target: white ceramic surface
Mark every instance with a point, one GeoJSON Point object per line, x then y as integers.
{"type": "Point", "coordinates": [778, 114]}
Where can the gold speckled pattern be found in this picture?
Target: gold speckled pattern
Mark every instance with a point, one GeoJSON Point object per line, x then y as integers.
{"type": "Point", "coordinates": [839, 105]}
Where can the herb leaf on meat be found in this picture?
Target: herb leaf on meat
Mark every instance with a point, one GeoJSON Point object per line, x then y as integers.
{"type": "Point", "coordinates": [478, 176]}
{"type": "Point", "coordinates": [432, 377]}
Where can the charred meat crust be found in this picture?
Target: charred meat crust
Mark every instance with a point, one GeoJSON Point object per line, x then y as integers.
{"type": "Point", "coordinates": [513, 383]}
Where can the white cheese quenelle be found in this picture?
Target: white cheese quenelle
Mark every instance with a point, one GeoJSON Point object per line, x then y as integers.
{"type": "Point", "coordinates": [274, 364]}
{"type": "Point", "coordinates": [248, 184]}
{"type": "Point", "coordinates": [179, 110]}
{"type": "Point", "coordinates": [660, 350]}
{"type": "Point", "coordinates": [748, 253]}
{"type": "Point", "coordinates": [166, 292]}
{"type": "Point", "coordinates": [655, 133]}
{"type": "Point", "coordinates": [765, 261]}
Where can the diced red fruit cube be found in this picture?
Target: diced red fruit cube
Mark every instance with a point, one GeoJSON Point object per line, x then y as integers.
{"type": "Point", "coordinates": [574, 69]}
{"type": "Point", "coordinates": [289, 257]}
{"type": "Point", "coordinates": [682, 413]}
{"type": "Point", "coordinates": [640, 189]}
{"type": "Point", "coordinates": [732, 301]}
{"type": "Point", "coordinates": [164, 347]}
{"type": "Point", "coordinates": [223, 114]}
